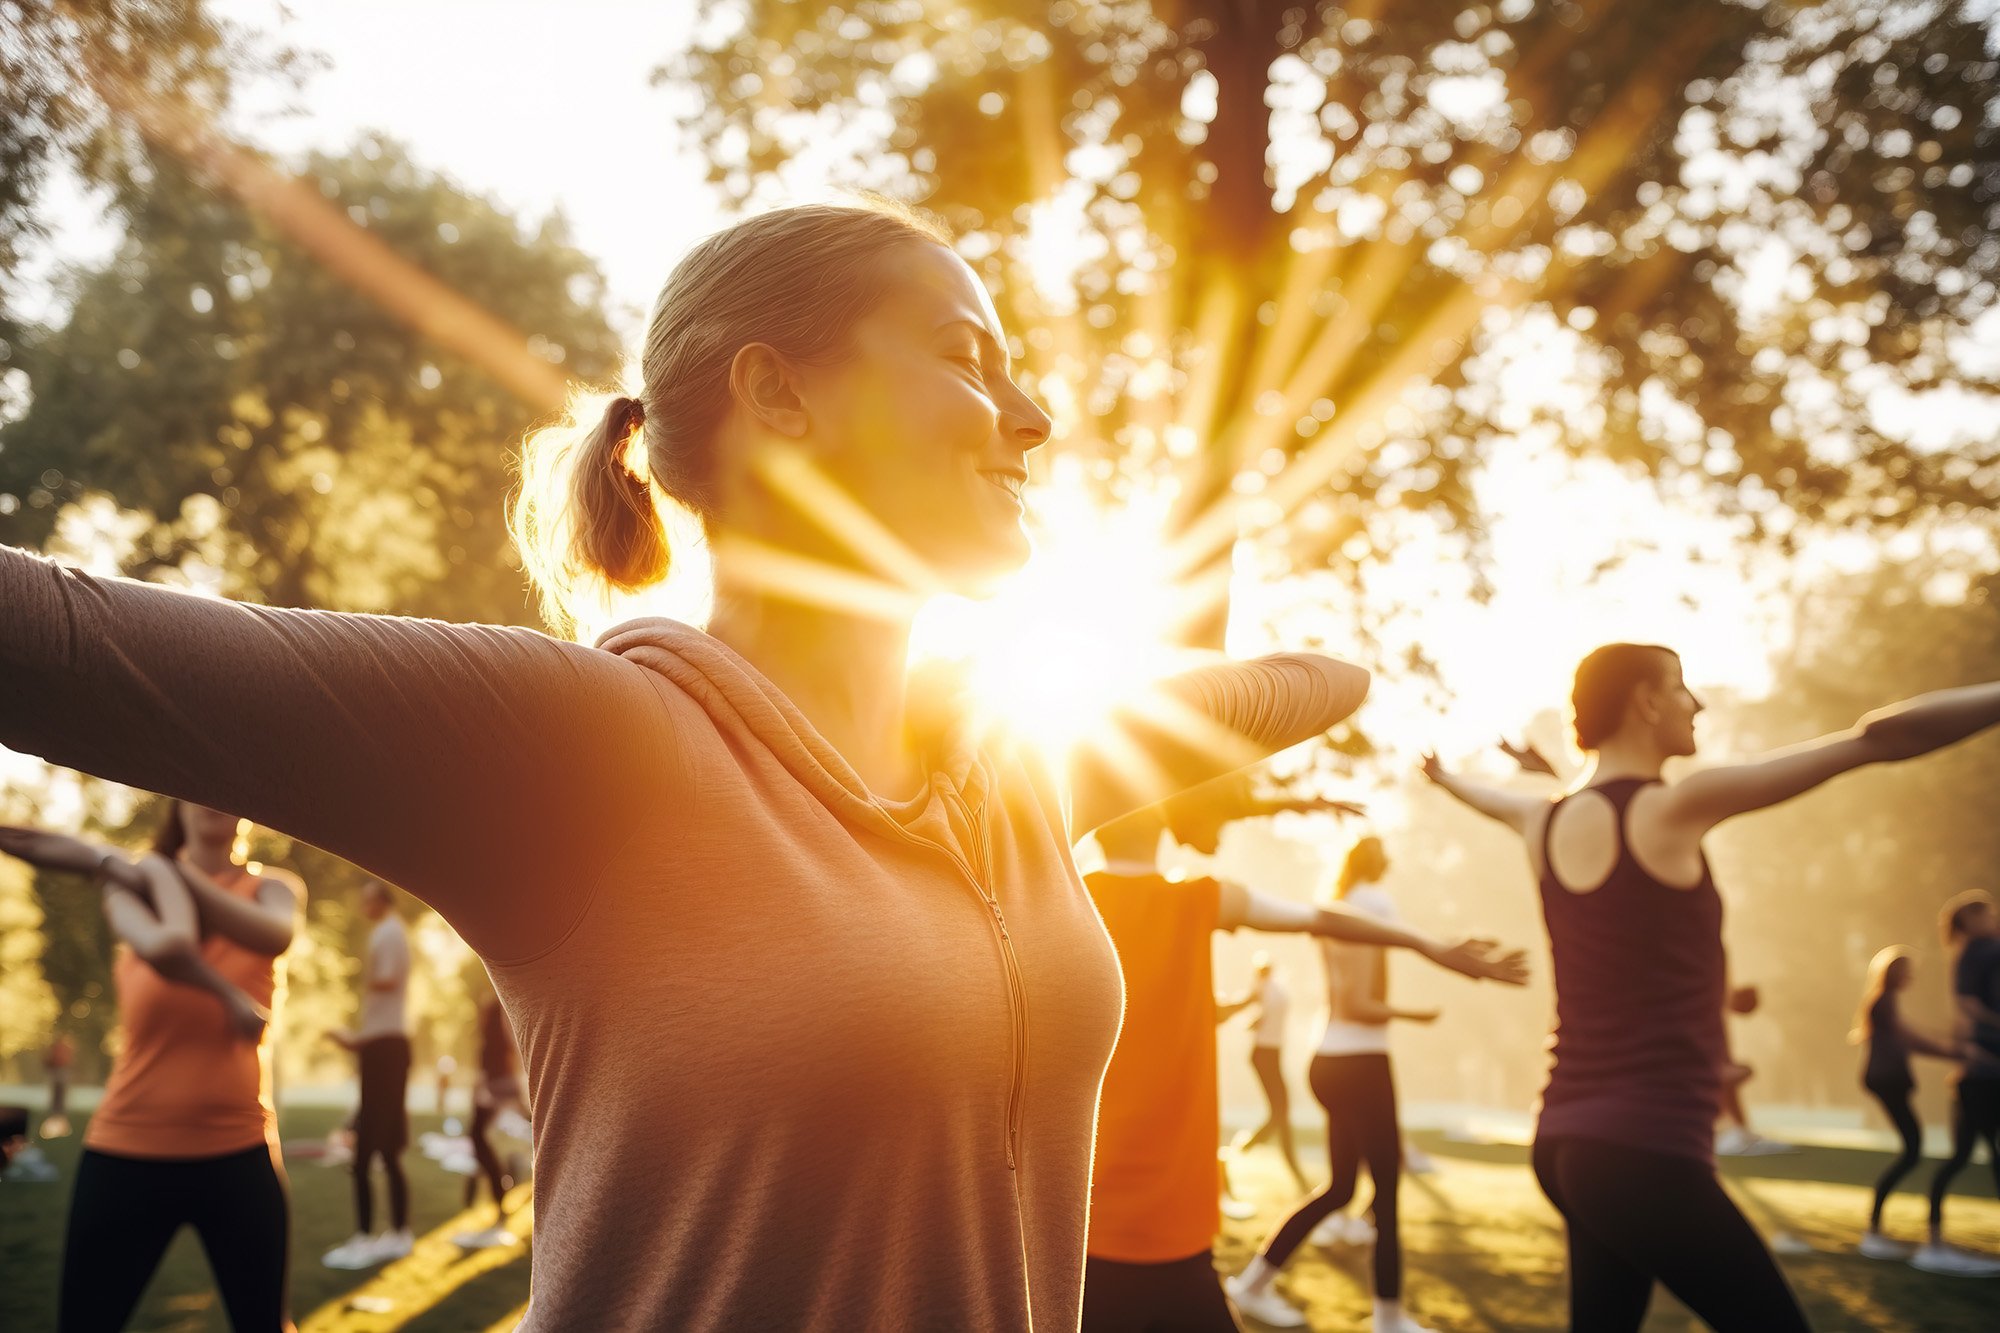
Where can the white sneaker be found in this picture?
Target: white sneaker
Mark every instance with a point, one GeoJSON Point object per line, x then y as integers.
{"type": "Point", "coordinates": [1875, 1245]}
{"type": "Point", "coordinates": [395, 1245]}
{"type": "Point", "coordinates": [1784, 1243]}
{"type": "Point", "coordinates": [1238, 1210]}
{"type": "Point", "coordinates": [1405, 1324]}
{"type": "Point", "coordinates": [1360, 1232]}
{"type": "Point", "coordinates": [489, 1239]}
{"type": "Point", "coordinates": [1937, 1257]}
{"type": "Point", "coordinates": [1266, 1306]}
{"type": "Point", "coordinates": [1418, 1163]}
{"type": "Point", "coordinates": [1332, 1230]}
{"type": "Point", "coordinates": [357, 1251]}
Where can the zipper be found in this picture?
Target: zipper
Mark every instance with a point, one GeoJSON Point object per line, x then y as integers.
{"type": "Point", "coordinates": [1017, 987]}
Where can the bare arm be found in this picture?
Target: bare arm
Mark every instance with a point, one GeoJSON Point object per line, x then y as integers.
{"type": "Point", "coordinates": [464, 762]}
{"type": "Point", "coordinates": [1228, 1009]}
{"type": "Point", "coordinates": [1194, 727]}
{"type": "Point", "coordinates": [264, 924]}
{"type": "Point", "coordinates": [1906, 730]}
{"type": "Point", "coordinates": [1925, 1044]}
{"type": "Point", "coordinates": [163, 932]}
{"type": "Point", "coordinates": [1479, 959]}
{"type": "Point", "coordinates": [1359, 971]}
{"type": "Point", "coordinates": [1517, 810]}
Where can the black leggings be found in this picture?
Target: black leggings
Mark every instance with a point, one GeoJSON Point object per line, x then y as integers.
{"type": "Point", "coordinates": [489, 1161]}
{"type": "Point", "coordinates": [1180, 1296]}
{"type": "Point", "coordinates": [1975, 1119]}
{"type": "Point", "coordinates": [1895, 1100]}
{"type": "Point", "coordinates": [1635, 1217]}
{"type": "Point", "coordinates": [1359, 1095]}
{"type": "Point", "coordinates": [125, 1210]}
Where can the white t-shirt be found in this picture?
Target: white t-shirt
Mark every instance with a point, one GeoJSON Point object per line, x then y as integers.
{"type": "Point", "coordinates": [1273, 1002]}
{"type": "Point", "coordinates": [1343, 1036]}
{"type": "Point", "coordinates": [383, 1012]}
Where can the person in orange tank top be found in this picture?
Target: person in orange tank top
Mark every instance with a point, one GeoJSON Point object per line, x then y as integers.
{"type": "Point", "coordinates": [1154, 1212]}
{"type": "Point", "coordinates": [186, 1133]}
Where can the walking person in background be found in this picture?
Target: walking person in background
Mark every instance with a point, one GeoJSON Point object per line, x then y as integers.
{"type": "Point", "coordinates": [1971, 927]}
{"type": "Point", "coordinates": [186, 1134]}
{"type": "Point", "coordinates": [381, 1045]}
{"type": "Point", "coordinates": [61, 1055]}
{"type": "Point", "coordinates": [1271, 1000]}
{"type": "Point", "coordinates": [1624, 1144]}
{"type": "Point", "coordinates": [1886, 1075]}
{"type": "Point", "coordinates": [498, 1088]}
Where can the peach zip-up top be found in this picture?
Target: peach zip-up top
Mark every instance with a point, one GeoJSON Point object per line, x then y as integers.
{"type": "Point", "coordinates": [800, 1057]}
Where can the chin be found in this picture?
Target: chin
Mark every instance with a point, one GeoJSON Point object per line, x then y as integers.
{"type": "Point", "coordinates": [980, 573]}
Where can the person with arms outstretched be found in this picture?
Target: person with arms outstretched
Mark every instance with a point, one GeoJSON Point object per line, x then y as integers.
{"type": "Point", "coordinates": [819, 917]}
{"type": "Point", "coordinates": [1624, 1145]}
{"type": "Point", "coordinates": [1154, 1208]}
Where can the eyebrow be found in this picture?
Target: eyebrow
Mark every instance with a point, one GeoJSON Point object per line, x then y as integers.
{"type": "Point", "coordinates": [985, 336]}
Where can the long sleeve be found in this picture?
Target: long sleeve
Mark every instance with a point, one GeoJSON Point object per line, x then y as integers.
{"type": "Point", "coordinates": [487, 770]}
{"type": "Point", "coordinates": [1194, 727]}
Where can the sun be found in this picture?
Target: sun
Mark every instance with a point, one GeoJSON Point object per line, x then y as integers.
{"type": "Point", "coordinates": [1085, 625]}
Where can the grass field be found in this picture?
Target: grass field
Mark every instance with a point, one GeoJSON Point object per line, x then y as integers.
{"type": "Point", "coordinates": [1483, 1250]}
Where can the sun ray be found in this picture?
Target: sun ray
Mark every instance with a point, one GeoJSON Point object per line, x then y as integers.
{"type": "Point", "coordinates": [790, 473]}
{"type": "Point", "coordinates": [435, 1269]}
{"type": "Point", "coordinates": [758, 567]}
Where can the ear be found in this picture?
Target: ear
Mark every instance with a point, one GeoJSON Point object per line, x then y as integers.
{"type": "Point", "coordinates": [767, 386]}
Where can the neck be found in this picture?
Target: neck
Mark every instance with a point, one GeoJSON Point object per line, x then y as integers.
{"type": "Point", "coordinates": [211, 858]}
{"type": "Point", "coordinates": [847, 673]}
{"type": "Point", "coordinates": [1620, 757]}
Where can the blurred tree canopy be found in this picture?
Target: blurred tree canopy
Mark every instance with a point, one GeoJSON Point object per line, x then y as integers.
{"type": "Point", "coordinates": [55, 54]}
{"type": "Point", "coordinates": [1231, 235]}
{"type": "Point", "coordinates": [1817, 885]}
{"type": "Point", "coordinates": [277, 429]}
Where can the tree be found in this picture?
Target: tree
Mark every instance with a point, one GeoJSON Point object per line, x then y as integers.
{"type": "Point", "coordinates": [276, 426]}
{"type": "Point", "coordinates": [1816, 886]}
{"type": "Point", "coordinates": [1235, 234]}
{"type": "Point", "coordinates": [54, 55]}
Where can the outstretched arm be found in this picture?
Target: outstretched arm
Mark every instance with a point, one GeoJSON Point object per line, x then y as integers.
{"type": "Point", "coordinates": [1517, 810]}
{"type": "Point", "coordinates": [1481, 960]}
{"type": "Point", "coordinates": [1192, 728]}
{"type": "Point", "coordinates": [469, 764]}
{"type": "Point", "coordinates": [1906, 730]}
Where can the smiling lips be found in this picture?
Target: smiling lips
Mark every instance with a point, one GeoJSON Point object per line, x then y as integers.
{"type": "Point", "coordinates": [1010, 482]}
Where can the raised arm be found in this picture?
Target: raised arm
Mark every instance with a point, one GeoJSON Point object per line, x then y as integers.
{"type": "Point", "coordinates": [1360, 972]}
{"type": "Point", "coordinates": [1517, 810]}
{"type": "Point", "coordinates": [1191, 728]}
{"type": "Point", "coordinates": [472, 765]}
{"type": "Point", "coordinates": [1906, 730]}
{"type": "Point", "coordinates": [1479, 959]}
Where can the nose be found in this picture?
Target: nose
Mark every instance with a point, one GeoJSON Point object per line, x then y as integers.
{"type": "Point", "coordinates": [1025, 423]}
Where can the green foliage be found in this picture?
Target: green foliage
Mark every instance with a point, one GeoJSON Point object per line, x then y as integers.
{"type": "Point", "coordinates": [276, 427]}
{"type": "Point", "coordinates": [1816, 886]}
{"type": "Point", "coordinates": [1239, 184]}
{"type": "Point", "coordinates": [55, 58]}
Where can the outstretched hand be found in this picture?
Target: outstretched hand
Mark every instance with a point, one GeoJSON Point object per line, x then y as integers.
{"type": "Point", "coordinates": [50, 851]}
{"type": "Point", "coordinates": [1527, 756]}
{"type": "Point", "coordinates": [1431, 768]}
{"type": "Point", "coordinates": [1482, 961]}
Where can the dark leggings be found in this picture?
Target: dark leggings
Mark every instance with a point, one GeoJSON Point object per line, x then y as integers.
{"type": "Point", "coordinates": [125, 1210]}
{"type": "Point", "coordinates": [1359, 1095]}
{"type": "Point", "coordinates": [489, 1161]}
{"type": "Point", "coordinates": [1636, 1217]}
{"type": "Point", "coordinates": [1180, 1296]}
{"type": "Point", "coordinates": [1895, 1100]}
{"type": "Point", "coordinates": [1975, 1119]}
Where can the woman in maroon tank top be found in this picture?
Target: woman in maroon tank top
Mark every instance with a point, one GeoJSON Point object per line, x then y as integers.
{"type": "Point", "coordinates": [1623, 1148]}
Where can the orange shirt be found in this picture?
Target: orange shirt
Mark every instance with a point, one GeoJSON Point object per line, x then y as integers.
{"type": "Point", "coordinates": [1154, 1187]}
{"type": "Point", "coordinates": [186, 1085]}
